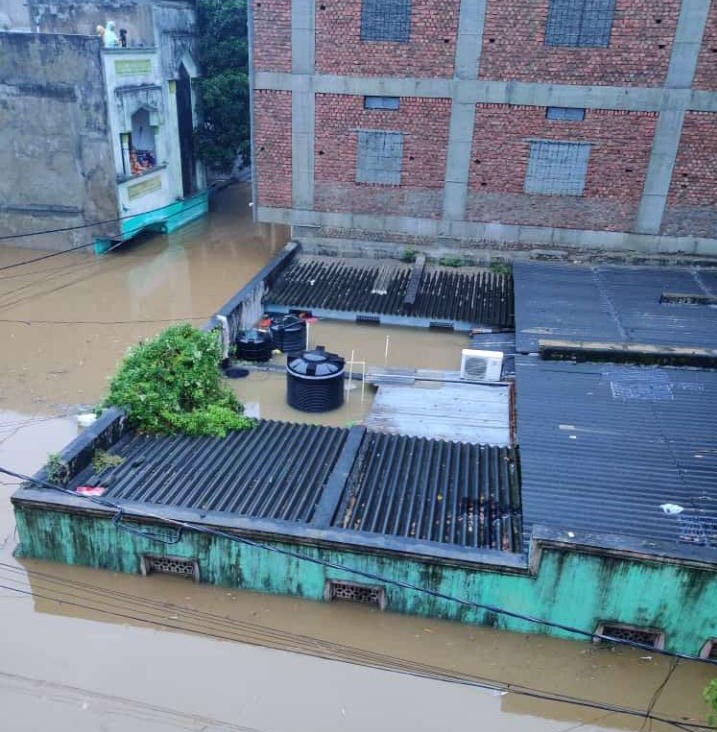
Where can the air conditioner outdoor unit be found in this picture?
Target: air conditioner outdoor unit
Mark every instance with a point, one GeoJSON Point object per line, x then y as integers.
{"type": "Point", "coordinates": [481, 365]}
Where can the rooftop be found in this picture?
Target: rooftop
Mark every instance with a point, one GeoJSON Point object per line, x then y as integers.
{"type": "Point", "coordinates": [603, 447]}
{"type": "Point", "coordinates": [392, 292]}
{"type": "Point", "coordinates": [616, 304]}
{"type": "Point", "coordinates": [346, 486]}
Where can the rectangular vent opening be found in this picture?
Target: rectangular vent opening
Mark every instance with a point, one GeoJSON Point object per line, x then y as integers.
{"type": "Point", "coordinates": [681, 298]}
{"type": "Point", "coordinates": [177, 566]}
{"type": "Point", "coordinates": [370, 319]}
{"type": "Point", "coordinates": [441, 325]}
{"type": "Point", "coordinates": [352, 592]}
{"type": "Point", "coordinates": [633, 633]}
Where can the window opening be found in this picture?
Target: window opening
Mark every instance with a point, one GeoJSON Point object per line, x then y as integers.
{"type": "Point", "coordinates": [141, 142]}
{"type": "Point", "coordinates": [386, 20]}
{"type": "Point", "coordinates": [565, 114]}
{"type": "Point", "coordinates": [379, 157]}
{"type": "Point", "coordinates": [579, 23]}
{"type": "Point", "coordinates": [381, 102]}
{"type": "Point", "coordinates": [557, 168]}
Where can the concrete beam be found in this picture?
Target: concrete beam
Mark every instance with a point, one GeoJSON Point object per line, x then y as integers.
{"type": "Point", "coordinates": [680, 75]}
{"type": "Point", "coordinates": [302, 103]}
{"type": "Point", "coordinates": [500, 92]}
{"type": "Point", "coordinates": [659, 171]}
{"type": "Point", "coordinates": [521, 236]}
{"type": "Point", "coordinates": [469, 44]}
{"type": "Point", "coordinates": [687, 43]}
{"type": "Point", "coordinates": [471, 20]}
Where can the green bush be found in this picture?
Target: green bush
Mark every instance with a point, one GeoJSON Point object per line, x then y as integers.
{"type": "Point", "coordinates": [451, 261]}
{"type": "Point", "coordinates": [171, 384]}
{"type": "Point", "coordinates": [710, 696]}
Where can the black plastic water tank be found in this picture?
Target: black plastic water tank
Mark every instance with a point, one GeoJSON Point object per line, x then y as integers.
{"type": "Point", "coordinates": [288, 333]}
{"type": "Point", "coordinates": [254, 345]}
{"type": "Point", "coordinates": [315, 380]}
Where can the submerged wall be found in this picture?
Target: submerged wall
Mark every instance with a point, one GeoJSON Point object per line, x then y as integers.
{"type": "Point", "coordinates": [54, 146]}
{"type": "Point", "coordinates": [575, 586]}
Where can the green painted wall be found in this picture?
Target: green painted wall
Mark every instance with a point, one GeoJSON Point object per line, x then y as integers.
{"type": "Point", "coordinates": [572, 588]}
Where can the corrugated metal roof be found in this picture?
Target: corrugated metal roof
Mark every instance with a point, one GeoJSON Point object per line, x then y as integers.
{"type": "Point", "coordinates": [443, 295]}
{"type": "Point", "coordinates": [275, 470]}
{"type": "Point", "coordinates": [503, 342]}
{"type": "Point", "coordinates": [610, 303]}
{"type": "Point", "coordinates": [433, 490]}
{"type": "Point", "coordinates": [603, 446]}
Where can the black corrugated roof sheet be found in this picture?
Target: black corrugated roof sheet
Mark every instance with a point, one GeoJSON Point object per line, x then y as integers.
{"type": "Point", "coordinates": [610, 303]}
{"type": "Point", "coordinates": [443, 295]}
{"type": "Point", "coordinates": [276, 470]}
{"type": "Point", "coordinates": [603, 446]}
{"type": "Point", "coordinates": [433, 490]}
{"type": "Point", "coordinates": [403, 487]}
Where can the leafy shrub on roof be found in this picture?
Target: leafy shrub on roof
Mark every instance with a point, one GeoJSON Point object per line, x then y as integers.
{"type": "Point", "coordinates": [171, 384]}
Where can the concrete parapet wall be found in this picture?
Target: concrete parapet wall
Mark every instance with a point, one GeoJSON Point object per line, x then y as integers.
{"type": "Point", "coordinates": [570, 584]}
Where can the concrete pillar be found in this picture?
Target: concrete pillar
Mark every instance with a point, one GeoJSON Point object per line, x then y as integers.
{"type": "Point", "coordinates": [460, 136]}
{"type": "Point", "coordinates": [302, 103]}
{"type": "Point", "coordinates": [680, 75]}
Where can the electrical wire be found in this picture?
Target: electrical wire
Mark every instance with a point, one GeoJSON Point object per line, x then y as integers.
{"type": "Point", "coordinates": [21, 321]}
{"type": "Point", "coordinates": [256, 634]}
{"type": "Point", "coordinates": [121, 511]}
{"type": "Point", "coordinates": [77, 227]}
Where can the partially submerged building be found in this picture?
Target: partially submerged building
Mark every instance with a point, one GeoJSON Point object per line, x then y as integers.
{"type": "Point", "coordinates": [572, 124]}
{"type": "Point", "coordinates": [599, 512]}
{"type": "Point", "coordinates": [98, 140]}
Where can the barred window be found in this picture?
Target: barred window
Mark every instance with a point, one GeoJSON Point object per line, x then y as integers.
{"type": "Point", "coordinates": [386, 20]}
{"type": "Point", "coordinates": [579, 23]}
{"type": "Point", "coordinates": [381, 102]}
{"type": "Point", "coordinates": [557, 168]}
{"type": "Point", "coordinates": [566, 114]}
{"type": "Point", "coordinates": [379, 157]}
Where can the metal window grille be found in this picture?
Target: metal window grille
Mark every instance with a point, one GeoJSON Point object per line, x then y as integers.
{"type": "Point", "coordinates": [646, 636]}
{"type": "Point", "coordinates": [579, 23]}
{"type": "Point", "coordinates": [379, 157]}
{"type": "Point", "coordinates": [566, 114]}
{"type": "Point", "coordinates": [364, 594]}
{"type": "Point", "coordinates": [381, 102]}
{"type": "Point", "coordinates": [177, 566]}
{"type": "Point", "coordinates": [386, 20]}
{"type": "Point", "coordinates": [557, 168]}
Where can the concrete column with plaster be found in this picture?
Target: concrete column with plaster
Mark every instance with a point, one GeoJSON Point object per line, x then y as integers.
{"type": "Point", "coordinates": [680, 75]}
{"type": "Point", "coordinates": [471, 21]}
{"type": "Point", "coordinates": [302, 103]}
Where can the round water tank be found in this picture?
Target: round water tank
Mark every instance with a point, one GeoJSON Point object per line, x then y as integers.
{"type": "Point", "coordinates": [254, 345]}
{"type": "Point", "coordinates": [288, 333]}
{"type": "Point", "coordinates": [315, 380]}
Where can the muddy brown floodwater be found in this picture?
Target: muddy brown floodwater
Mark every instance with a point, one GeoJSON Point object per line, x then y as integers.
{"type": "Point", "coordinates": [85, 650]}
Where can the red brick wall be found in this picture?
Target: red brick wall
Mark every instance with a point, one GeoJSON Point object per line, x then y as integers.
{"type": "Point", "coordinates": [638, 54]}
{"type": "Point", "coordinates": [706, 74]}
{"type": "Point", "coordinates": [272, 34]}
{"type": "Point", "coordinates": [272, 147]}
{"type": "Point", "coordinates": [692, 200]}
{"type": "Point", "coordinates": [616, 169]}
{"type": "Point", "coordinates": [430, 51]}
{"type": "Point", "coordinates": [424, 123]}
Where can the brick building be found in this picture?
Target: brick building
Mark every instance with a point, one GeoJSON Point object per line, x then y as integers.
{"type": "Point", "coordinates": [568, 123]}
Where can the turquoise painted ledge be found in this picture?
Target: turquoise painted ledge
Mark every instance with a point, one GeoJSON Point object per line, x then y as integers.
{"type": "Point", "coordinates": [165, 220]}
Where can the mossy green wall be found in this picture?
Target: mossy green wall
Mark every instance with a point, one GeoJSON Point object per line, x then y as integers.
{"type": "Point", "coordinates": [572, 588]}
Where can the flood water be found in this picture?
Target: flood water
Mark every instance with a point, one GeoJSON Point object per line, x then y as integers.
{"type": "Point", "coordinates": [88, 650]}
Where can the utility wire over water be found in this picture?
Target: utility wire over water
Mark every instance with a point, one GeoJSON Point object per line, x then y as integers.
{"type": "Point", "coordinates": [160, 614]}
{"type": "Point", "coordinates": [202, 529]}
